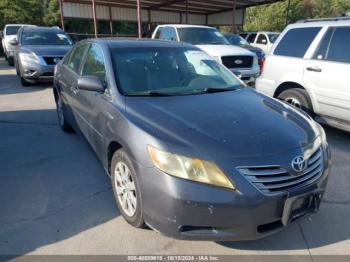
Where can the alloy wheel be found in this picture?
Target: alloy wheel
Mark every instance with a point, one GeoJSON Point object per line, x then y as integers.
{"type": "Point", "coordinates": [125, 188]}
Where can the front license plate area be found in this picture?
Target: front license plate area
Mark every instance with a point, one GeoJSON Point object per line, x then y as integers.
{"type": "Point", "coordinates": [298, 206]}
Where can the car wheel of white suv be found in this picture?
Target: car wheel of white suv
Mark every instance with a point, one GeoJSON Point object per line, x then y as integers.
{"type": "Point", "coordinates": [299, 98]}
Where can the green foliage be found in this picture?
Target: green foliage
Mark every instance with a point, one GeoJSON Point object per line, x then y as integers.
{"type": "Point", "coordinates": [52, 13]}
{"type": "Point", "coordinates": [20, 11]}
{"type": "Point", "coordinates": [273, 17]}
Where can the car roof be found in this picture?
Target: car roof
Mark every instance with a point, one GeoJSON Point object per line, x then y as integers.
{"type": "Point", "coordinates": [17, 25]}
{"type": "Point", "coordinates": [135, 42]}
{"type": "Point", "coordinates": [41, 28]}
{"type": "Point", "coordinates": [336, 21]}
{"type": "Point", "coordinates": [186, 26]}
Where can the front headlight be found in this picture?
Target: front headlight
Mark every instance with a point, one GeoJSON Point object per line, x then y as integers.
{"type": "Point", "coordinates": [189, 168]}
{"type": "Point", "coordinates": [29, 58]}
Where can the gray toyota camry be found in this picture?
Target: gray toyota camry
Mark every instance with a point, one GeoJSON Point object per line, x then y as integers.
{"type": "Point", "coordinates": [191, 152]}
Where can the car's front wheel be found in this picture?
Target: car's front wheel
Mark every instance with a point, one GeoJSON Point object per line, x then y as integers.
{"type": "Point", "coordinates": [126, 188]}
{"type": "Point", "coordinates": [299, 98]}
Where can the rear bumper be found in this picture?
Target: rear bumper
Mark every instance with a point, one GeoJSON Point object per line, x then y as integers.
{"type": "Point", "coordinates": [187, 210]}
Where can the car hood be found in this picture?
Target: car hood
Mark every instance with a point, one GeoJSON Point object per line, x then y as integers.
{"type": "Point", "coordinates": [224, 50]}
{"type": "Point", "coordinates": [52, 50]}
{"type": "Point", "coordinates": [230, 124]}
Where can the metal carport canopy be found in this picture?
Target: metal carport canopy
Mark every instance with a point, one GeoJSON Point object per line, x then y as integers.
{"type": "Point", "coordinates": [199, 8]}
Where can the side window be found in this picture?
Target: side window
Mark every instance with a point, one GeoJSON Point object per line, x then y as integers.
{"type": "Point", "coordinates": [323, 48]}
{"type": "Point", "coordinates": [339, 48]}
{"type": "Point", "coordinates": [157, 36]}
{"type": "Point", "coordinates": [76, 58]}
{"type": "Point", "coordinates": [251, 38]}
{"type": "Point", "coordinates": [296, 41]}
{"type": "Point", "coordinates": [168, 33]}
{"type": "Point", "coordinates": [262, 39]}
{"type": "Point", "coordinates": [94, 63]}
{"type": "Point", "coordinates": [67, 57]}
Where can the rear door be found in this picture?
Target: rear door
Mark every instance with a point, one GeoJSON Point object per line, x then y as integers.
{"type": "Point", "coordinates": [328, 73]}
{"type": "Point", "coordinates": [68, 80]}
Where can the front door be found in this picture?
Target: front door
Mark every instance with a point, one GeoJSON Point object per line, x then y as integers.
{"type": "Point", "coordinates": [93, 106]}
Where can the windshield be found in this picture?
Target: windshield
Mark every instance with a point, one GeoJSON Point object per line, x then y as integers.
{"type": "Point", "coordinates": [273, 37]}
{"type": "Point", "coordinates": [201, 36]}
{"type": "Point", "coordinates": [45, 38]}
{"type": "Point", "coordinates": [12, 30]}
{"type": "Point", "coordinates": [236, 40]}
{"type": "Point", "coordinates": [169, 71]}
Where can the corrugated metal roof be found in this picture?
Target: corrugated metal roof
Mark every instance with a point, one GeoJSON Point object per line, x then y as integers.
{"type": "Point", "coordinates": [193, 6]}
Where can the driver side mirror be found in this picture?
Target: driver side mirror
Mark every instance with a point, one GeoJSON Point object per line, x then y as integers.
{"type": "Point", "coordinates": [13, 42]}
{"type": "Point", "coordinates": [91, 83]}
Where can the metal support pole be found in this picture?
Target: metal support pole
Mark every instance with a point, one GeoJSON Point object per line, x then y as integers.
{"type": "Point", "coordinates": [186, 11]}
{"type": "Point", "coordinates": [94, 16]}
{"type": "Point", "coordinates": [110, 20]}
{"type": "Point", "coordinates": [139, 21]}
{"type": "Point", "coordinates": [61, 13]}
{"type": "Point", "coordinates": [234, 17]}
{"type": "Point", "coordinates": [287, 13]}
{"type": "Point", "coordinates": [149, 20]}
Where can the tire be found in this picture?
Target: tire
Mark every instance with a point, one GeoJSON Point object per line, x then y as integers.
{"type": "Point", "coordinates": [299, 98]}
{"type": "Point", "coordinates": [24, 82]}
{"type": "Point", "coordinates": [61, 117]}
{"type": "Point", "coordinates": [123, 189]}
{"type": "Point", "coordinates": [10, 61]}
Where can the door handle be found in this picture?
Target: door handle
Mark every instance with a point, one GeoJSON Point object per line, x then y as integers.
{"type": "Point", "coordinates": [314, 69]}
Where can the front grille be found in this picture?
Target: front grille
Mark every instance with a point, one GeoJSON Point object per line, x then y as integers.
{"type": "Point", "coordinates": [237, 61]}
{"type": "Point", "coordinates": [275, 179]}
{"type": "Point", "coordinates": [50, 60]}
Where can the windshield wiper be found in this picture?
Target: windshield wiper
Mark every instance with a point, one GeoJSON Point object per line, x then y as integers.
{"type": "Point", "coordinates": [216, 89]}
{"type": "Point", "coordinates": [152, 93]}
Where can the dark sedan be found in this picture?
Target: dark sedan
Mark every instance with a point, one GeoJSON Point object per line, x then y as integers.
{"type": "Point", "coordinates": [38, 50]}
{"type": "Point", "coordinates": [237, 40]}
{"type": "Point", "coordinates": [190, 151]}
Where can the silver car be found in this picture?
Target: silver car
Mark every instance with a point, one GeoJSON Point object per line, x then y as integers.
{"type": "Point", "coordinates": [38, 50]}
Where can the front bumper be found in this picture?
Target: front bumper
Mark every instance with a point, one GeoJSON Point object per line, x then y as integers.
{"type": "Point", "coordinates": [248, 76]}
{"type": "Point", "coordinates": [36, 72]}
{"type": "Point", "coordinates": [188, 210]}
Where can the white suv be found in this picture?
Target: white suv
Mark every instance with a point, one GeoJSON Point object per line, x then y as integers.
{"type": "Point", "coordinates": [262, 40]}
{"type": "Point", "coordinates": [8, 35]}
{"type": "Point", "coordinates": [240, 61]}
{"type": "Point", "coordinates": [309, 67]}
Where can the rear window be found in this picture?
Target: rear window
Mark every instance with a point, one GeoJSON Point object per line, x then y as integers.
{"type": "Point", "coordinates": [11, 30]}
{"type": "Point", "coordinates": [296, 41]}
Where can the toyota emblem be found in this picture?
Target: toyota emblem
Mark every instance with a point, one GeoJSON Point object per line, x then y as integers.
{"type": "Point", "coordinates": [57, 60]}
{"type": "Point", "coordinates": [299, 164]}
{"type": "Point", "coordinates": [238, 62]}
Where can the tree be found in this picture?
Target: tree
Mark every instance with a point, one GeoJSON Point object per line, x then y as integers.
{"type": "Point", "coordinates": [20, 11]}
{"type": "Point", "coordinates": [272, 17]}
{"type": "Point", "coordinates": [52, 12]}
